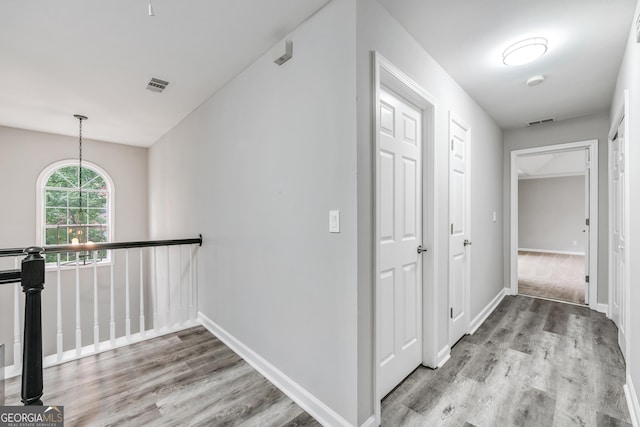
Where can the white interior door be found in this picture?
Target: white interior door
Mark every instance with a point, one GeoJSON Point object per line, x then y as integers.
{"type": "Point", "coordinates": [618, 236]}
{"type": "Point", "coordinates": [587, 215]}
{"type": "Point", "coordinates": [460, 237]}
{"type": "Point", "coordinates": [399, 209]}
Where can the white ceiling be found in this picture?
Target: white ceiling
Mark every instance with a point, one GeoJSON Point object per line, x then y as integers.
{"type": "Point", "coordinates": [586, 44]}
{"type": "Point", "coordinates": [94, 57]}
{"type": "Point", "coordinates": [563, 163]}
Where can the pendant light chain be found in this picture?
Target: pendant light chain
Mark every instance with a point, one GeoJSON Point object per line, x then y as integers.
{"type": "Point", "coordinates": [80, 118]}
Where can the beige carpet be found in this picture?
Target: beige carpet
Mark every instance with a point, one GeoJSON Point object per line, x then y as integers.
{"type": "Point", "coordinates": [553, 276]}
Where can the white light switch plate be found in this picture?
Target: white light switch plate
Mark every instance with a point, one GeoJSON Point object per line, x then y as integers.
{"type": "Point", "coordinates": [334, 221]}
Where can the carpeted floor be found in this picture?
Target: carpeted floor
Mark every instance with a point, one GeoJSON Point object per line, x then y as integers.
{"type": "Point", "coordinates": [553, 276]}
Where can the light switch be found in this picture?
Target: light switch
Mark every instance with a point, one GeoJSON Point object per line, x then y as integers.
{"type": "Point", "coordinates": [334, 221]}
{"type": "Point", "coordinates": [494, 218]}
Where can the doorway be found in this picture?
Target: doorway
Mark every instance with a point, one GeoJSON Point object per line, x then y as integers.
{"type": "Point", "coordinates": [554, 202]}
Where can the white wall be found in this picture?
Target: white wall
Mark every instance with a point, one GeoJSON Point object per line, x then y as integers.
{"type": "Point", "coordinates": [628, 78]}
{"type": "Point", "coordinates": [256, 169]}
{"type": "Point", "coordinates": [580, 129]}
{"type": "Point", "coordinates": [378, 31]}
{"type": "Point", "coordinates": [23, 156]}
{"type": "Point", "coordinates": [551, 213]}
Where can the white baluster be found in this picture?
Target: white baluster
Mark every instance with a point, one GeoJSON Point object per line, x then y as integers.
{"type": "Point", "coordinates": [191, 312]}
{"type": "Point", "coordinates": [167, 316]}
{"type": "Point", "coordinates": [112, 309]}
{"type": "Point", "coordinates": [180, 313]}
{"type": "Point", "coordinates": [195, 282]}
{"type": "Point", "coordinates": [59, 342]}
{"type": "Point", "coordinates": [96, 326]}
{"type": "Point", "coordinates": [78, 326]}
{"type": "Point", "coordinates": [127, 307]}
{"type": "Point", "coordinates": [142, 325]}
{"type": "Point", "coordinates": [155, 288]}
{"type": "Point", "coordinates": [17, 338]}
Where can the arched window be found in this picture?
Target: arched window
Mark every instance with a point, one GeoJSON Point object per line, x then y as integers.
{"type": "Point", "coordinates": [75, 208]}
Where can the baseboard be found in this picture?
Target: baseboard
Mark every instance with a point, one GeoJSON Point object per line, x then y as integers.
{"type": "Point", "coordinates": [370, 422]}
{"type": "Point", "coordinates": [602, 308]}
{"type": "Point", "coordinates": [307, 401]}
{"type": "Point", "coordinates": [632, 402]}
{"type": "Point", "coordinates": [551, 251]}
{"type": "Point", "coordinates": [443, 356]}
{"type": "Point", "coordinates": [482, 316]}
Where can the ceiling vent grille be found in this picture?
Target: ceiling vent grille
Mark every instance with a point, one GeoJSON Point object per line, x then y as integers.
{"type": "Point", "coordinates": [157, 85]}
{"type": "Point", "coordinates": [541, 122]}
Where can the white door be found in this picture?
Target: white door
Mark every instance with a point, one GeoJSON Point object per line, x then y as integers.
{"type": "Point", "coordinates": [459, 233]}
{"type": "Point", "coordinates": [618, 236]}
{"type": "Point", "coordinates": [587, 215]}
{"type": "Point", "coordinates": [399, 209]}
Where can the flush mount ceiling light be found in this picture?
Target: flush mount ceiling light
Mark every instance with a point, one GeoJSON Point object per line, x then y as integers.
{"type": "Point", "coordinates": [525, 51]}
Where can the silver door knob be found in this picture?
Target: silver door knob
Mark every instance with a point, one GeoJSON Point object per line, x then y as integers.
{"type": "Point", "coordinates": [467, 242]}
{"type": "Point", "coordinates": [421, 249]}
{"type": "Point", "coordinates": [620, 247]}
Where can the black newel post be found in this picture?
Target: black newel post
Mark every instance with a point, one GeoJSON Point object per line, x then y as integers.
{"type": "Point", "coordinates": [32, 286]}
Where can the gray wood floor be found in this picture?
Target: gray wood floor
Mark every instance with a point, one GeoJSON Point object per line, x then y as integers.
{"type": "Point", "coordinates": [532, 363]}
{"type": "Point", "coordinates": [184, 379]}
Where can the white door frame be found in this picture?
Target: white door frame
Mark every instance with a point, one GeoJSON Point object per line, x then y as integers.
{"type": "Point", "coordinates": [620, 114]}
{"type": "Point", "coordinates": [385, 73]}
{"type": "Point", "coordinates": [592, 146]}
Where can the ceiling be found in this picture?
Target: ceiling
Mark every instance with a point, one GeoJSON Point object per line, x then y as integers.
{"type": "Point", "coordinates": [563, 163]}
{"type": "Point", "coordinates": [92, 57]}
{"type": "Point", "coordinates": [587, 39]}
{"type": "Point", "coordinates": [95, 57]}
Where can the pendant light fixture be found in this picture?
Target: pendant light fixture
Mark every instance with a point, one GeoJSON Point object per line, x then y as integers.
{"type": "Point", "coordinates": [79, 232]}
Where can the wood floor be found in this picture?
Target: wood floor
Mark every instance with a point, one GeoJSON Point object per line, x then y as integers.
{"type": "Point", "coordinates": [532, 363]}
{"type": "Point", "coordinates": [184, 379]}
{"type": "Point", "coordinates": [554, 276]}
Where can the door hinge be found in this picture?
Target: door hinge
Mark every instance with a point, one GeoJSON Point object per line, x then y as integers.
{"type": "Point", "coordinates": [451, 228]}
{"type": "Point", "coordinates": [587, 221]}
{"type": "Point", "coordinates": [452, 145]}
{"type": "Point", "coordinates": [452, 312]}
{"type": "Point", "coordinates": [586, 278]}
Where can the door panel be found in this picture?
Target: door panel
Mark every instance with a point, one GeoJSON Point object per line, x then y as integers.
{"type": "Point", "coordinates": [399, 208]}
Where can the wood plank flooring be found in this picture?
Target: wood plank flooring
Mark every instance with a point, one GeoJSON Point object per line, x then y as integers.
{"type": "Point", "coordinates": [533, 363]}
{"type": "Point", "coordinates": [189, 378]}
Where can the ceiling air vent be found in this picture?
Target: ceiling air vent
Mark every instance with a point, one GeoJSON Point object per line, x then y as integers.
{"type": "Point", "coordinates": [541, 122]}
{"type": "Point", "coordinates": [157, 85]}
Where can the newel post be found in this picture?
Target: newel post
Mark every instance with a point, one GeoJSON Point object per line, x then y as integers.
{"type": "Point", "coordinates": [32, 286]}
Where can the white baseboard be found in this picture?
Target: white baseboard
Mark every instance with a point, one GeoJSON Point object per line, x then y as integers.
{"type": "Point", "coordinates": [307, 401]}
{"type": "Point", "coordinates": [602, 308]}
{"type": "Point", "coordinates": [443, 356]}
{"type": "Point", "coordinates": [551, 251]}
{"type": "Point", "coordinates": [632, 402]}
{"type": "Point", "coordinates": [482, 316]}
{"type": "Point", "coordinates": [370, 422]}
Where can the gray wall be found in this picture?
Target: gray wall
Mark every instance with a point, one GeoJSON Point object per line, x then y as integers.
{"type": "Point", "coordinates": [378, 31]}
{"type": "Point", "coordinates": [23, 156]}
{"type": "Point", "coordinates": [551, 213]}
{"type": "Point", "coordinates": [628, 79]}
{"type": "Point", "coordinates": [256, 169]}
{"type": "Point", "coordinates": [580, 129]}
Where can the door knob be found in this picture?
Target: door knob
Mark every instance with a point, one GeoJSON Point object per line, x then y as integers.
{"type": "Point", "coordinates": [421, 249]}
{"type": "Point", "coordinates": [467, 242]}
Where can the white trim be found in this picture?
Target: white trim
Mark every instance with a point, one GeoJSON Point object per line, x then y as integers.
{"type": "Point", "coordinates": [603, 308]}
{"type": "Point", "coordinates": [454, 118]}
{"type": "Point", "coordinates": [307, 401]}
{"type": "Point", "coordinates": [592, 146]}
{"type": "Point", "coordinates": [486, 312]}
{"type": "Point", "coordinates": [369, 422]}
{"type": "Point", "coordinates": [550, 251]}
{"type": "Point", "coordinates": [550, 175]}
{"type": "Point", "coordinates": [444, 355]}
{"type": "Point", "coordinates": [386, 73]}
{"type": "Point", "coordinates": [632, 402]}
{"type": "Point", "coordinates": [40, 195]}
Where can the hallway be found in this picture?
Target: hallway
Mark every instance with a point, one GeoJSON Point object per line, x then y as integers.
{"type": "Point", "coordinates": [532, 363]}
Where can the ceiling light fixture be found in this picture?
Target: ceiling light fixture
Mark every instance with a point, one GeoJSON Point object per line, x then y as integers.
{"type": "Point", "coordinates": [151, 9]}
{"type": "Point", "coordinates": [79, 221]}
{"type": "Point", "coordinates": [525, 51]}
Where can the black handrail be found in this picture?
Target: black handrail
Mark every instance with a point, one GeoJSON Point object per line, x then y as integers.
{"type": "Point", "coordinates": [10, 276]}
{"type": "Point", "coordinates": [87, 247]}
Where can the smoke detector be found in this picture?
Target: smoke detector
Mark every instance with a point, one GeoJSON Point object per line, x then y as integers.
{"type": "Point", "coordinates": [157, 85]}
{"type": "Point", "coordinates": [535, 80]}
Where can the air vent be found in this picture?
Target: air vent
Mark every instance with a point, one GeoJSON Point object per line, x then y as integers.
{"type": "Point", "coordinates": [541, 122]}
{"type": "Point", "coordinates": [157, 85]}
